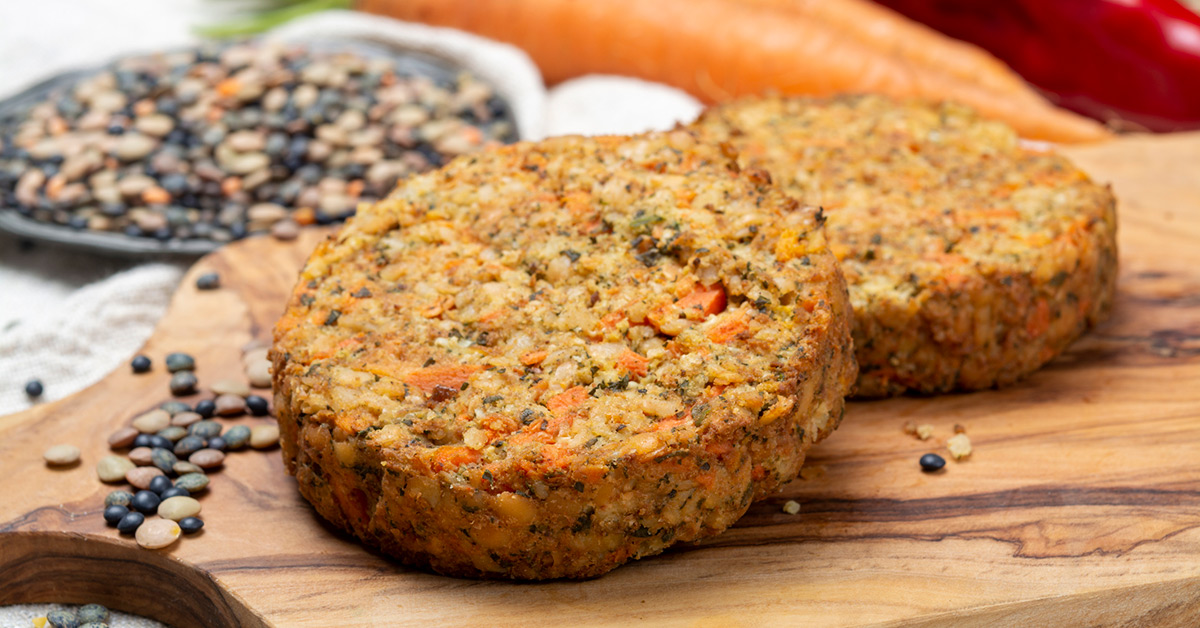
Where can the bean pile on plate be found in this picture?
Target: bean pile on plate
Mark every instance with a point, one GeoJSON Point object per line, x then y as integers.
{"type": "Point", "coordinates": [223, 141]}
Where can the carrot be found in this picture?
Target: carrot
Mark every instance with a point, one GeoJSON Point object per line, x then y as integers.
{"type": "Point", "coordinates": [567, 400]}
{"type": "Point", "coordinates": [1040, 321]}
{"type": "Point", "coordinates": [633, 362]}
{"type": "Point", "coordinates": [450, 376]}
{"type": "Point", "coordinates": [706, 301]}
{"type": "Point", "coordinates": [724, 331]}
{"type": "Point", "coordinates": [452, 457]}
{"type": "Point", "coordinates": [698, 304]}
{"type": "Point", "coordinates": [533, 357]}
{"type": "Point", "coordinates": [916, 43]}
{"type": "Point", "coordinates": [719, 49]}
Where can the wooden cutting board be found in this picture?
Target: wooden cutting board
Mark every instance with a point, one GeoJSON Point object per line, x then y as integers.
{"type": "Point", "coordinates": [1079, 506]}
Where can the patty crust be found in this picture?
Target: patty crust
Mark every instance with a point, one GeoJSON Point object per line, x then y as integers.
{"type": "Point", "coordinates": [971, 260]}
{"type": "Point", "coordinates": [548, 359]}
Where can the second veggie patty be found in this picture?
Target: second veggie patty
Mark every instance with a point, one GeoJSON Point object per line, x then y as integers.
{"type": "Point", "coordinates": [971, 260]}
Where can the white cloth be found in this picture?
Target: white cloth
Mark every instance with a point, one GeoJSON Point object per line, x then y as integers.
{"type": "Point", "coordinates": [68, 319]}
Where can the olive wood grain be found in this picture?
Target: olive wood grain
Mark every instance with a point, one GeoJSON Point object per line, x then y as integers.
{"type": "Point", "coordinates": [1079, 506]}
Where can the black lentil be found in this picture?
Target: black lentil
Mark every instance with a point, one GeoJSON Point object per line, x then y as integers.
{"type": "Point", "coordinates": [34, 388]}
{"type": "Point", "coordinates": [159, 442]}
{"type": "Point", "coordinates": [174, 491]}
{"type": "Point", "coordinates": [142, 440]}
{"type": "Point", "coordinates": [190, 525]}
{"type": "Point", "coordinates": [206, 408]}
{"type": "Point", "coordinates": [146, 502]}
{"type": "Point", "coordinates": [217, 443]}
{"type": "Point", "coordinates": [114, 514]}
{"type": "Point", "coordinates": [159, 484]}
{"type": "Point", "coordinates": [130, 522]}
{"type": "Point", "coordinates": [208, 281]}
{"type": "Point", "coordinates": [258, 406]}
{"type": "Point", "coordinates": [140, 364]}
{"type": "Point", "coordinates": [932, 462]}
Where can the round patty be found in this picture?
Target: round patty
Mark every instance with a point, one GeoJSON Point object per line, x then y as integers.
{"type": "Point", "coordinates": [971, 260]}
{"type": "Point", "coordinates": [546, 360]}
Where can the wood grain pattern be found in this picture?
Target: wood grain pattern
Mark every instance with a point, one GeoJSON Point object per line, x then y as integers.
{"type": "Point", "coordinates": [1080, 505]}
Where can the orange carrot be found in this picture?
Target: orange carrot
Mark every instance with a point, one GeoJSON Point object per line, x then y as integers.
{"type": "Point", "coordinates": [703, 300]}
{"type": "Point", "coordinates": [883, 28]}
{"type": "Point", "coordinates": [698, 304]}
{"type": "Point", "coordinates": [633, 362]}
{"type": "Point", "coordinates": [728, 329]}
{"type": "Point", "coordinates": [719, 49]}
{"type": "Point", "coordinates": [533, 357]}
{"type": "Point", "coordinates": [567, 400]}
{"type": "Point", "coordinates": [450, 376]}
{"type": "Point", "coordinates": [453, 457]}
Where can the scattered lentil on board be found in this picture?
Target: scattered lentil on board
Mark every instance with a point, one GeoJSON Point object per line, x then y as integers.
{"type": "Point", "coordinates": [115, 513]}
{"type": "Point", "coordinates": [61, 455]}
{"type": "Point", "coordinates": [150, 148]}
{"type": "Point", "coordinates": [145, 501]}
{"type": "Point", "coordinates": [152, 421]}
{"type": "Point", "coordinates": [172, 433]}
{"type": "Point", "coordinates": [259, 373]}
{"type": "Point", "coordinates": [258, 406]}
{"type": "Point", "coordinates": [237, 437]}
{"type": "Point", "coordinates": [191, 525]}
{"type": "Point", "coordinates": [205, 429]}
{"type": "Point", "coordinates": [208, 281]}
{"type": "Point", "coordinates": [174, 491]}
{"type": "Point", "coordinates": [160, 484]}
{"type": "Point", "coordinates": [932, 462]}
{"type": "Point", "coordinates": [118, 498]}
{"type": "Point", "coordinates": [235, 387]}
{"type": "Point", "coordinates": [180, 362]}
{"type": "Point", "coordinates": [113, 468]}
{"type": "Point", "coordinates": [192, 482]}
{"type": "Point", "coordinates": [163, 458]}
{"type": "Point", "coordinates": [122, 438]}
{"type": "Point", "coordinates": [207, 458]}
{"type": "Point", "coordinates": [140, 364]}
{"type": "Point", "coordinates": [183, 383]}
{"type": "Point", "coordinates": [264, 436]}
{"type": "Point", "coordinates": [174, 407]}
{"type": "Point", "coordinates": [177, 508]}
{"type": "Point", "coordinates": [141, 456]}
{"type": "Point", "coordinates": [157, 533]}
{"type": "Point", "coordinates": [140, 477]}
{"type": "Point", "coordinates": [188, 445]}
{"type": "Point", "coordinates": [130, 522]}
{"type": "Point", "coordinates": [230, 405]}
{"type": "Point", "coordinates": [206, 408]}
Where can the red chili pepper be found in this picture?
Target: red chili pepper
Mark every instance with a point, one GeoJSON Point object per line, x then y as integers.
{"type": "Point", "coordinates": [1132, 63]}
